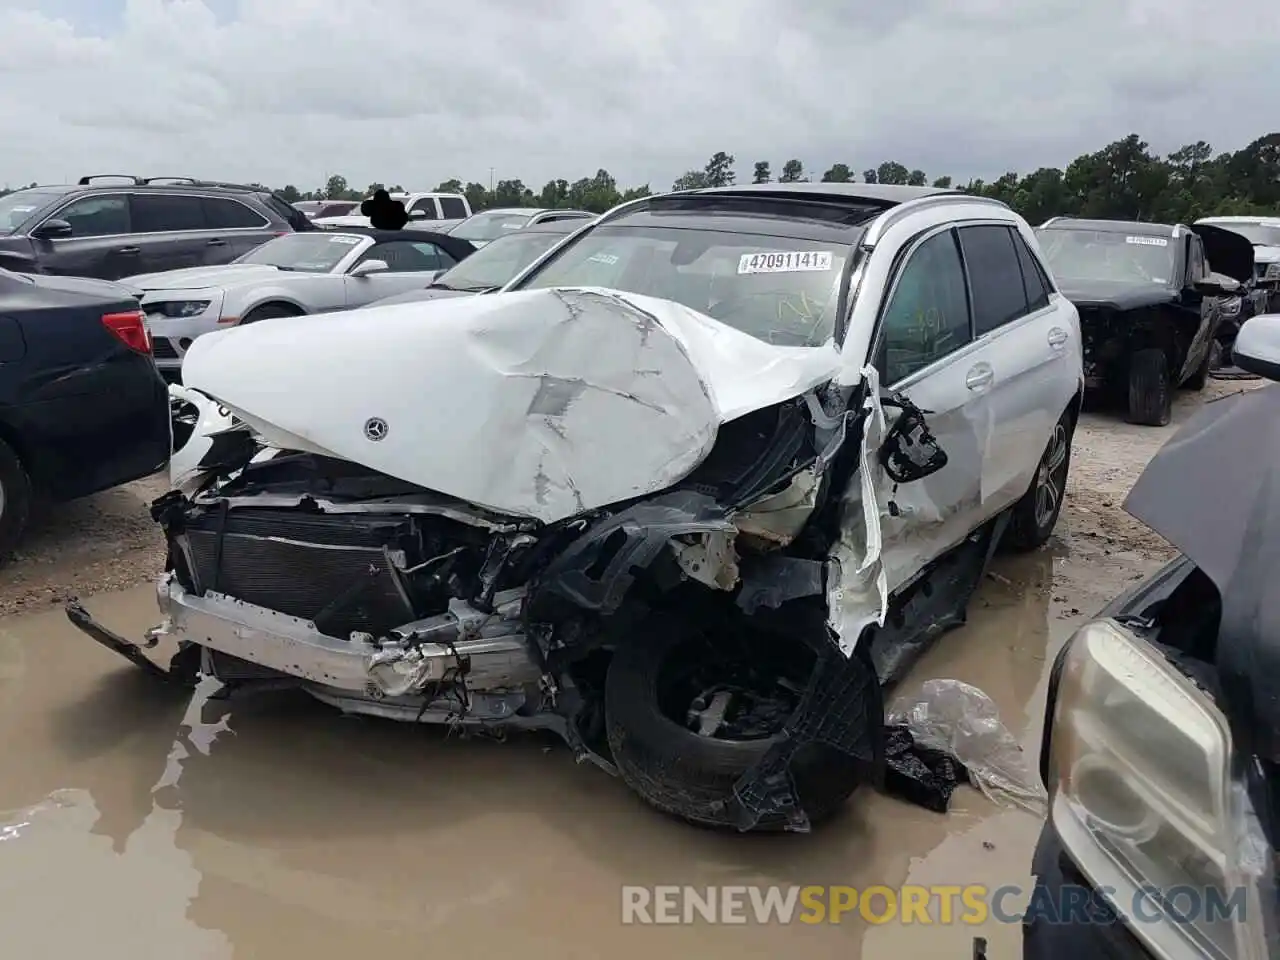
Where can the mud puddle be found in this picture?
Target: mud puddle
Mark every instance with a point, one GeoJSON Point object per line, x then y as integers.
{"type": "Point", "coordinates": [139, 823]}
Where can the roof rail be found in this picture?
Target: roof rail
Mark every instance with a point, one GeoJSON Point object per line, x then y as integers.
{"type": "Point", "coordinates": [85, 181]}
{"type": "Point", "coordinates": [905, 209]}
{"type": "Point", "coordinates": [1050, 222]}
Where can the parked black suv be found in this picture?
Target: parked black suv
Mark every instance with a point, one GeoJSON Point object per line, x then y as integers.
{"type": "Point", "coordinates": [144, 225]}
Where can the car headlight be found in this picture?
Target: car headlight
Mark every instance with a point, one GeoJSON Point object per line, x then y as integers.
{"type": "Point", "coordinates": [177, 309]}
{"type": "Point", "coordinates": [1140, 792]}
{"type": "Point", "coordinates": [1231, 307]}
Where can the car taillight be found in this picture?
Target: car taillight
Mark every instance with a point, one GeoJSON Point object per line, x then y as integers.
{"type": "Point", "coordinates": [130, 329]}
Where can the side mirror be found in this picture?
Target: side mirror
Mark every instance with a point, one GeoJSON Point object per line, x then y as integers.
{"type": "Point", "coordinates": [910, 452]}
{"type": "Point", "coordinates": [417, 214]}
{"type": "Point", "coordinates": [366, 267]}
{"type": "Point", "coordinates": [52, 230]}
{"type": "Point", "coordinates": [1217, 287]}
{"type": "Point", "coordinates": [1257, 346]}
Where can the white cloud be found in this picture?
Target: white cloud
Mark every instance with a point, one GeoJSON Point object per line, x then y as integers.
{"type": "Point", "coordinates": [414, 92]}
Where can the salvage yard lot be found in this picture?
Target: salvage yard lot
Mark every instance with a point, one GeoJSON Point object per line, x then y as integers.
{"type": "Point", "coordinates": [282, 829]}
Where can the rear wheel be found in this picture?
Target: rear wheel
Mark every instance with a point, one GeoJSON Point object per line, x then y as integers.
{"type": "Point", "coordinates": [15, 500]}
{"type": "Point", "coordinates": [268, 311]}
{"type": "Point", "coordinates": [689, 713]}
{"type": "Point", "coordinates": [1150, 388]}
{"type": "Point", "coordinates": [1036, 514]}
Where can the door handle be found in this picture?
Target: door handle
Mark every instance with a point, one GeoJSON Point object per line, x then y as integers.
{"type": "Point", "coordinates": [979, 376]}
{"type": "Point", "coordinates": [217, 243]}
{"type": "Point", "coordinates": [127, 250]}
{"type": "Point", "coordinates": [1057, 337]}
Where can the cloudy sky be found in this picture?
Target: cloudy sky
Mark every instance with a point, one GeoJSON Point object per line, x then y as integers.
{"type": "Point", "coordinates": [418, 91]}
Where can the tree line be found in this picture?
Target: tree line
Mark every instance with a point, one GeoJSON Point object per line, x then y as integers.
{"type": "Point", "coordinates": [1123, 180]}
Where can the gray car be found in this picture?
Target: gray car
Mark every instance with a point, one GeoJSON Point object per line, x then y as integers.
{"type": "Point", "coordinates": [301, 273]}
{"type": "Point", "coordinates": [488, 225]}
{"type": "Point", "coordinates": [488, 269]}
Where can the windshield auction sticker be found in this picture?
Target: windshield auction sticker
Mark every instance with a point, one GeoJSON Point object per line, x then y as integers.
{"type": "Point", "coordinates": [1148, 241]}
{"type": "Point", "coordinates": [785, 261]}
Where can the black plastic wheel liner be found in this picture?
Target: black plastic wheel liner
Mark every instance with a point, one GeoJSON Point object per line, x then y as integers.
{"type": "Point", "coordinates": [842, 708]}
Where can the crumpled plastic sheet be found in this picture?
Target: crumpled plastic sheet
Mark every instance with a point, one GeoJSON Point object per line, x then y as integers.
{"type": "Point", "coordinates": [961, 721]}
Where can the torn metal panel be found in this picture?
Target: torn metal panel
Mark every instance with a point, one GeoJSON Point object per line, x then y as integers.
{"type": "Point", "coordinates": [543, 403]}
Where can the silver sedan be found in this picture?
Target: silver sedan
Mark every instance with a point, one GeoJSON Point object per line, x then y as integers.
{"type": "Point", "coordinates": [299, 273]}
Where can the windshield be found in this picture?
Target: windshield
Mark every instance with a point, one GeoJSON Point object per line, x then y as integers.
{"type": "Point", "coordinates": [317, 252]}
{"type": "Point", "coordinates": [778, 289]}
{"type": "Point", "coordinates": [490, 226]}
{"type": "Point", "coordinates": [17, 207]}
{"type": "Point", "coordinates": [496, 263]}
{"type": "Point", "coordinates": [1102, 255]}
{"type": "Point", "coordinates": [1259, 234]}
{"type": "Point", "coordinates": [340, 209]}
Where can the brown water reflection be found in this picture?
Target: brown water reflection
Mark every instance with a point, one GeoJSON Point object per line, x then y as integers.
{"type": "Point", "coordinates": [144, 826]}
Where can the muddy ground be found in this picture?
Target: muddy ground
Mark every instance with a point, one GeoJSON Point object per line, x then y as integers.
{"type": "Point", "coordinates": [138, 823]}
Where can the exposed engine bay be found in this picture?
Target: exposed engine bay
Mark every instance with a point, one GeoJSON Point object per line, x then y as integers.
{"type": "Point", "coordinates": [718, 639]}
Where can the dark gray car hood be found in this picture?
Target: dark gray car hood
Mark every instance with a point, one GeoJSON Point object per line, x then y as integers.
{"type": "Point", "coordinates": [1213, 491]}
{"type": "Point", "coordinates": [1117, 295]}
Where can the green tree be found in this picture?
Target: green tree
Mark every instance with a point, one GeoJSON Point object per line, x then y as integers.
{"type": "Point", "coordinates": [792, 172]}
{"type": "Point", "coordinates": [511, 193]}
{"type": "Point", "coordinates": [761, 174]}
{"type": "Point", "coordinates": [869, 176]}
{"type": "Point", "coordinates": [719, 170]}
{"type": "Point", "coordinates": [372, 188]}
{"type": "Point", "coordinates": [943, 183]}
{"type": "Point", "coordinates": [838, 173]}
{"type": "Point", "coordinates": [892, 172]}
{"type": "Point", "coordinates": [635, 193]}
{"type": "Point", "coordinates": [691, 180]}
{"type": "Point", "coordinates": [448, 186]}
{"type": "Point", "coordinates": [554, 193]}
{"type": "Point", "coordinates": [336, 188]}
{"type": "Point", "coordinates": [477, 195]}
{"type": "Point", "coordinates": [916, 178]}
{"type": "Point", "coordinates": [289, 193]}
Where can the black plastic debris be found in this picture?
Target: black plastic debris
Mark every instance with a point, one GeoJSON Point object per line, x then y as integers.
{"type": "Point", "coordinates": [918, 774]}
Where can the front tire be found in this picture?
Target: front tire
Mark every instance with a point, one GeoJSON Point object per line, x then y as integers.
{"type": "Point", "coordinates": [1036, 514]}
{"type": "Point", "coordinates": [269, 311]}
{"type": "Point", "coordinates": [1150, 388]}
{"type": "Point", "coordinates": [689, 775]}
{"type": "Point", "coordinates": [15, 500]}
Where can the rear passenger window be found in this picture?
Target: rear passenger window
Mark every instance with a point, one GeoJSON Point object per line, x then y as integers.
{"type": "Point", "coordinates": [163, 212]}
{"type": "Point", "coordinates": [99, 215]}
{"type": "Point", "coordinates": [221, 213]}
{"type": "Point", "coordinates": [927, 316]}
{"type": "Point", "coordinates": [995, 278]}
{"type": "Point", "coordinates": [453, 208]}
{"type": "Point", "coordinates": [1032, 276]}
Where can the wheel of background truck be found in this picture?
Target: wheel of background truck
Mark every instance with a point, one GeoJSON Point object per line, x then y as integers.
{"type": "Point", "coordinates": [268, 311]}
{"type": "Point", "coordinates": [1150, 388]}
{"type": "Point", "coordinates": [648, 693]}
{"type": "Point", "coordinates": [1036, 514]}
{"type": "Point", "coordinates": [15, 500]}
{"type": "Point", "coordinates": [1201, 376]}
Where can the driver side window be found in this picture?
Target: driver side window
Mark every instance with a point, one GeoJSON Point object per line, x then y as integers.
{"type": "Point", "coordinates": [927, 315]}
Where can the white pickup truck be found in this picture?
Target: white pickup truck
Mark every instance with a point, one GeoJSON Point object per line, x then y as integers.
{"type": "Point", "coordinates": [441, 211]}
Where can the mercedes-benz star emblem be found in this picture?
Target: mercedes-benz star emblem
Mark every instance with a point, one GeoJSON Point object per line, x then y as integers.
{"type": "Point", "coordinates": [375, 428]}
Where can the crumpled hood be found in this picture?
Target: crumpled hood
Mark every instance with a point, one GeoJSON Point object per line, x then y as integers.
{"type": "Point", "coordinates": [540, 403]}
{"type": "Point", "coordinates": [1228, 446]}
{"type": "Point", "coordinates": [1116, 295]}
{"type": "Point", "coordinates": [195, 278]}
